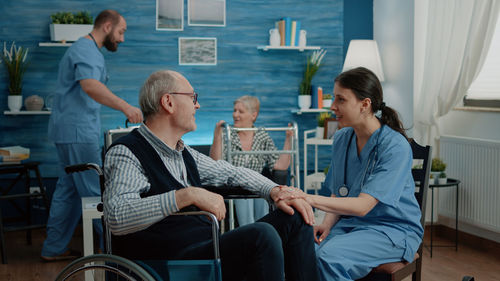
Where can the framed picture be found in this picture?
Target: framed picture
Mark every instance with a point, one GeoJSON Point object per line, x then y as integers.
{"type": "Point", "coordinates": [170, 15]}
{"type": "Point", "coordinates": [197, 51]}
{"type": "Point", "coordinates": [331, 126]}
{"type": "Point", "coordinates": [207, 12]}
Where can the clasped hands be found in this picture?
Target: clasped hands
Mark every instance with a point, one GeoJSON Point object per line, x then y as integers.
{"type": "Point", "coordinates": [286, 197]}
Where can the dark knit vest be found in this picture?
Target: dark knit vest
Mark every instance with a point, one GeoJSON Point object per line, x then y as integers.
{"type": "Point", "coordinates": [166, 238]}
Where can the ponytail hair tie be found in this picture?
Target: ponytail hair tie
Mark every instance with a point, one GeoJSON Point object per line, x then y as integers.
{"type": "Point", "coordinates": [382, 106]}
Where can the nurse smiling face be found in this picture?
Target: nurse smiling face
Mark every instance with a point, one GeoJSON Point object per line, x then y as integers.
{"type": "Point", "coordinates": [347, 107]}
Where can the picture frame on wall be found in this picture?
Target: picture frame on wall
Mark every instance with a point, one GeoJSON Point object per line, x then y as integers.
{"type": "Point", "coordinates": [207, 12]}
{"type": "Point", "coordinates": [331, 126]}
{"type": "Point", "coordinates": [197, 51]}
{"type": "Point", "coordinates": [170, 15]}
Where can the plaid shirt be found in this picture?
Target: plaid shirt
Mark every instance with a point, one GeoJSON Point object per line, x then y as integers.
{"type": "Point", "coordinates": [261, 142]}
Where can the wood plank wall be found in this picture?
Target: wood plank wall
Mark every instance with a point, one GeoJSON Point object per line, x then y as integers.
{"type": "Point", "coordinates": [241, 69]}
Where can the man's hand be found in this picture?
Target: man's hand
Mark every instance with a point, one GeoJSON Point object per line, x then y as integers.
{"type": "Point", "coordinates": [300, 205]}
{"type": "Point", "coordinates": [134, 114]}
{"type": "Point", "coordinates": [203, 199]}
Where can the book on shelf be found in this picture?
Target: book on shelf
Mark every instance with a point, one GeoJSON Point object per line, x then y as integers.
{"type": "Point", "coordinates": [288, 30]}
{"type": "Point", "coordinates": [282, 32]}
{"type": "Point", "coordinates": [297, 32]}
{"type": "Point", "coordinates": [292, 34]}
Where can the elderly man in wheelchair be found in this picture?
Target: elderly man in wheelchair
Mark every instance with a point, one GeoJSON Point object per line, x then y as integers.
{"type": "Point", "coordinates": [151, 175]}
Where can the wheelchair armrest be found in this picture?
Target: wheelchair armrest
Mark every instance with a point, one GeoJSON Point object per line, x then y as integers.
{"type": "Point", "coordinates": [215, 227]}
{"type": "Point", "coordinates": [232, 192]}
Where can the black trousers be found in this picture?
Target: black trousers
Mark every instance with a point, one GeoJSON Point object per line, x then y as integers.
{"type": "Point", "coordinates": [275, 247]}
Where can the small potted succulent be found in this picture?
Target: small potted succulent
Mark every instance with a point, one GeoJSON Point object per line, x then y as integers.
{"type": "Point", "coordinates": [437, 167]}
{"type": "Point", "coordinates": [320, 130]}
{"type": "Point", "coordinates": [15, 63]}
{"type": "Point", "coordinates": [67, 26]}
{"type": "Point", "coordinates": [442, 178]}
{"type": "Point", "coordinates": [327, 101]}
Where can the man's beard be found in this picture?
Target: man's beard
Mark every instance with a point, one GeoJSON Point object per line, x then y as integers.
{"type": "Point", "coordinates": [109, 43]}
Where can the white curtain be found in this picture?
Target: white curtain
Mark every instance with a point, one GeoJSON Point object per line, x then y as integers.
{"type": "Point", "coordinates": [458, 35]}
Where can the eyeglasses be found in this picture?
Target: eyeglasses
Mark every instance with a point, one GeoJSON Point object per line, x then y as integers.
{"type": "Point", "coordinates": [193, 94]}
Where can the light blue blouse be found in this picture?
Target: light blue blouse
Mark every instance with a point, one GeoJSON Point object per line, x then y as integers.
{"type": "Point", "coordinates": [383, 170]}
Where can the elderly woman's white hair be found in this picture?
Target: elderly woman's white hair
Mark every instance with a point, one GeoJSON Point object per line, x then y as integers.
{"type": "Point", "coordinates": [251, 103]}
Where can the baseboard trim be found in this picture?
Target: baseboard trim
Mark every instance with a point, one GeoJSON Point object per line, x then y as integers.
{"type": "Point", "coordinates": [464, 238]}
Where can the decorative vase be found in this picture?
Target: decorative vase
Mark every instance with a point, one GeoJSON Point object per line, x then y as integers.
{"type": "Point", "coordinates": [15, 102]}
{"type": "Point", "coordinates": [33, 103]}
{"type": "Point", "coordinates": [304, 102]}
{"type": "Point", "coordinates": [320, 132]}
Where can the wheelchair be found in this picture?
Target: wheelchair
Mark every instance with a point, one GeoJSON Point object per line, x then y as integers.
{"type": "Point", "coordinates": [111, 267]}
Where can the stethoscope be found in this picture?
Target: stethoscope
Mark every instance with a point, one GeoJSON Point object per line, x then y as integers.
{"type": "Point", "coordinates": [344, 189]}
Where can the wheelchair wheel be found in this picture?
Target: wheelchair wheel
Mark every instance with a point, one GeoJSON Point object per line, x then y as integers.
{"type": "Point", "coordinates": [103, 267]}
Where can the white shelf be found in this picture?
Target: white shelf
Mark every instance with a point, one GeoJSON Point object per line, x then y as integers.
{"type": "Point", "coordinates": [26, 112]}
{"type": "Point", "coordinates": [297, 48]}
{"type": "Point", "coordinates": [311, 110]}
{"type": "Point", "coordinates": [318, 141]}
{"type": "Point", "coordinates": [54, 44]}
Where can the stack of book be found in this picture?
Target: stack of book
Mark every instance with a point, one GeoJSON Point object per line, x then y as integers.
{"type": "Point", "coordinates": [289, 31]}
{"type": "Point", "coordinates": [13, 154]}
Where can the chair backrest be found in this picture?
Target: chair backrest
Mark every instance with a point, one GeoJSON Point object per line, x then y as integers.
{"type": "Point", "coordinates": [421, 174]}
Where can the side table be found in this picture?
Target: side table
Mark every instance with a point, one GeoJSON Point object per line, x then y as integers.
{"type": "Point", "coordinates": [20, 172]}
{"type": "Point", "coordinates": [450, 182]}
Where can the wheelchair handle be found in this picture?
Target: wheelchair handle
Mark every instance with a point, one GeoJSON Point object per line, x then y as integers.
{"type": "Point", "coordinates": [83, 167]}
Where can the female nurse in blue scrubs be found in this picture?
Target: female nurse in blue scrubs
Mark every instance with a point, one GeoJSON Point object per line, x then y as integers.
{"type": "Point", "coordinates": [372, 216]}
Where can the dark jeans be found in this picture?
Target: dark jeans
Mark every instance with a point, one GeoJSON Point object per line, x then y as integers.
{"type": "Point", "coordinates": [262, 250]}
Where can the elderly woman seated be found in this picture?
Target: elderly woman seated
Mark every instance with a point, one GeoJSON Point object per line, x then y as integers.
{"type": "Point", "coordinates": [245, 112]}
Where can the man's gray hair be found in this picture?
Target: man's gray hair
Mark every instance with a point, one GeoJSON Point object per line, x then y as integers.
{"type": "Point", "coordinates": [157, 84]}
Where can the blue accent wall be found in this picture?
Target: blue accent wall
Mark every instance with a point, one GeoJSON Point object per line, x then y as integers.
{"type": "Point", "coordinates": [241, 69]}
{"type": "Point", "coordinates": [358, 21]}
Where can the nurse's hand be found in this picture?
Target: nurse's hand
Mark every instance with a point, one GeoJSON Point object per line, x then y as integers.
{"type": "Point", "coordinates": [321, 232]}
{"type": "Point", "coordinates": [134, 114]}
{"type": "Point", "coordinates": [287, 206]}
{"type": "Point", "coordinates": [283, 192]}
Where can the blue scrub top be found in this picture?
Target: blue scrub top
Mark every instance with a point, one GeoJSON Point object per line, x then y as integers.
{"type": "Point", "coordinates": [383, 170]}
{"type": "Point", "coordinates": [75, 115]}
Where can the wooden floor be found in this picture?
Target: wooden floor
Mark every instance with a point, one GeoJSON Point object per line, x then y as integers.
{"type": "Point", "coordinates": [445, 265]}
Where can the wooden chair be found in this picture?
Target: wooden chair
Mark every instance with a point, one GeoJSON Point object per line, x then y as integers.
{"type": "Point", "coordinates": [399, 270]}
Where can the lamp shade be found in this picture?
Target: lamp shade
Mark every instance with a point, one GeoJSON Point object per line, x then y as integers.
{"type": "Point", "coordinates": [364, 53]}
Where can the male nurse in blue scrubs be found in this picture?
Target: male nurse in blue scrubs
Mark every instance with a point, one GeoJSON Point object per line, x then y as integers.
{"type": "Point", "coordinates": [75, 128]}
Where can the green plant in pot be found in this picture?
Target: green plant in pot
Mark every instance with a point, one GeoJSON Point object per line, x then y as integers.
{"type": "Point", "coordinates": [321, 123]}
{"type": "Point", "coordinates": [15, 63]}
{"type": "Point", "coordinates": [442, 179]}
{"type": "Point", "coordinates": [312, 66]}
{"type": "Point", "coordinates": [437, 167]}
{"type": "Point", "coordinates": [67, 26]}
{"type": "Point", "coordinates": [82, 17]}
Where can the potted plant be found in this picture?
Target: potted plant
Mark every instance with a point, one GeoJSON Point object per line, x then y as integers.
{"type": "Point", "coordinates": [68, 26]}
{"type": "Point", "coordinates": [442, 178]}
{"type": "Point", "coordinates": [312, 66]}
{"type": "Point", "coordinates": [15, 63]}
{"type": "Point", "coordinates": [327, 101]}
{"type": "Point", "coordinates": [321, 124]}
{"type": "Point", "coordinates": [437, 166]}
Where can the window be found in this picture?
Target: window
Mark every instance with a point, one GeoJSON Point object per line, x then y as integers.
{"type": "Point", "coordinates": [485, 90]}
